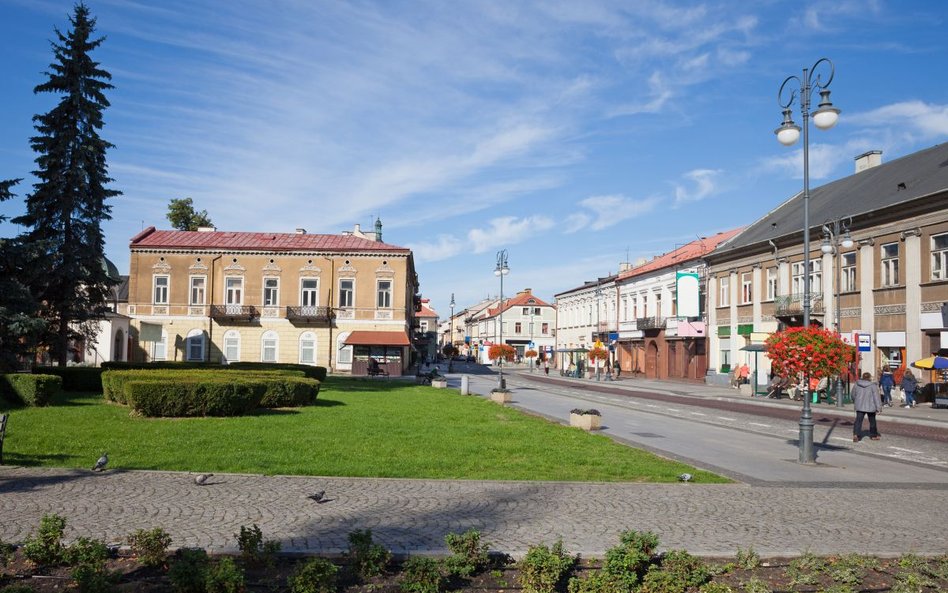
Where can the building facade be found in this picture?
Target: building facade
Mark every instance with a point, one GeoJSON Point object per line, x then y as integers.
{"type": "Point", "coordinates": [585, 314]}
{"type": "Point", "coordinates": [343, 301]}
{"type": "Point", "coordinates": [519, 321]}
{"type": "Point", "coordinates": [885, 262]}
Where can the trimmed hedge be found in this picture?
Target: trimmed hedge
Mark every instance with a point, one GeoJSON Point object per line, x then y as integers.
{"type": "Point", "coordinates": [313, 372]}
{"type": "Point", "coordinates": [32, 390]}
{"type": "Point", "coordinates": [75, 378]}
{"type": "Point", "coordinates": [204, 392]}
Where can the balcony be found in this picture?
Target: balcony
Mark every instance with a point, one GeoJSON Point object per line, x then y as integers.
{"type": "Point", "coordinates": [791, 305]}
{"type": "Point", "coordinates": [645, 323]}
{"type": "Point", "coordinates": [308, 314]}
{"type": "Point", "coordinates": [234, 313]}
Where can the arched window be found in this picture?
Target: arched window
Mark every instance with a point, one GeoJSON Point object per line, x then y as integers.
{"type": "Point", "coordinates": [344, 355]}
{"type": "Point", "coordinates": [195, 345]}
{"type": "Point", "coordinates": [159, 349]}
{"type": "Point", "coordinates": [118, 347]}
{"type": "Point", "coordinates": [231, 346]}
{"type": "Point", "coordinates": [307, 348]}
{"type": "Point", "coordinates": [269, 346]}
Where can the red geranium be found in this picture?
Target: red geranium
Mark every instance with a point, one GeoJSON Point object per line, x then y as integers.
{"type": "Point", "coordinates": [813, 351]}
{"type": "Point", "coordinates": [502, 351]}
{"type": "Point", "coordinates": [598, 354]}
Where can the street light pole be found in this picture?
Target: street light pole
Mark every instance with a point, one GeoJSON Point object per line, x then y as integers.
{"type": "Point", "coordinates": [831, 244]}
{"type": "Point", "coordinates": [824, 117]}
{"type": "Point", "coordinates": [451, 358]}
{"type": "Point", "coordinates": [501, 270]}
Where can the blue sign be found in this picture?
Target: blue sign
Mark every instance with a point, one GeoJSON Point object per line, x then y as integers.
{"type": "Point", "coordinates": [531, 345]}
{"type": "Point", "coordinates": [865, 342]}
{"type": "Point", "coordinates": [613, 336]}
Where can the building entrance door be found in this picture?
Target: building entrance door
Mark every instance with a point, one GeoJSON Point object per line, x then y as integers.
{"type": "Point", "coordinates": [651, 361]}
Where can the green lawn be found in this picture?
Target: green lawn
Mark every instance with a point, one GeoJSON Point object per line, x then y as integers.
{"type": "Point", "coordinates": [357, 428]}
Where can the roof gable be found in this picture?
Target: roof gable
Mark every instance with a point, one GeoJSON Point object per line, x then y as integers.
{"type": "Point", "coordinates": [247, 241]}
{"type": "Point", "coordinates": [694, 250]}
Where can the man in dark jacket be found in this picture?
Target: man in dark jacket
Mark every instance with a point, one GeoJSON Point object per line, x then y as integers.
{"type": "Point", "coordinates": [909, 385]}
{"type": "Point", "coordinates": [868, 402]}
{"type": "Point", "coordinates": [887, 382]}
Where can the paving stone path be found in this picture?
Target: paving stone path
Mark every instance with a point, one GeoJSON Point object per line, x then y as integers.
{"type": "Point", "coordinates": [413, 516]}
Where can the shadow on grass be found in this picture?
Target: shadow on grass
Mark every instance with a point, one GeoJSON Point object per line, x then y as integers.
{"type": "Point", "coordinates": [363, 385]}
{"type": "Point", "coordinates": [76, 398]}
{"type": "Point", "coordinates": [35, 460]}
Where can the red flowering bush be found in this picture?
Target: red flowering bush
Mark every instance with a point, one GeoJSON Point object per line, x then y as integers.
{"type": "Point", "coordinates": [530, 353]}
{"type": "Point", "coordinates": [813, 351]}
{"type": "Point", "coordinates": [501, 351]}
{"type": "Point", "coordinates": [598, 354]}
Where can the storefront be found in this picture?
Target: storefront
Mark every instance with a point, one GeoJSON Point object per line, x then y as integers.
{"type": "Point", "coordinates": [382, 352]}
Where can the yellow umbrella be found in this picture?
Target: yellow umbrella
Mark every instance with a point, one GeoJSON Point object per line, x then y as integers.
{"type": "Point", "coordinates": [932, 362]}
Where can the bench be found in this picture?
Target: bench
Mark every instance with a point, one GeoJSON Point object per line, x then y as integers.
{"type": "Point", "coordinates": [3, 432]}
{"type": "Point", "coordinates": [376, 371]}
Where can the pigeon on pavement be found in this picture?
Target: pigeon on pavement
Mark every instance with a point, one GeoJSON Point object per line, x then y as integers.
{"type": "Point", "coordinates": [101, 463]}
{"type": "Point", "coordinates": [684, 478]}
{"type": "Point", "coordinates": [202, 479]}
{"type": "Point", "coordinates": [318, 496]}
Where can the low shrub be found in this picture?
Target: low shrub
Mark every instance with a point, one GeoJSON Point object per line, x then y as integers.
{"type": "Point", "coordinates": [598, 582]}
{"type": "Point", "coordinates": [32, 390]}
{"type": "Point", "coordinates": [747, 559]}
{"type": "Point", "coordinates": [468, 555]}
{"type": "Point", "coordinates": [189, 570]}
{"type": "Point", "coordinates": [289, 392]}
{"type": "Point", "coordinates": [315, 576]}
{"type": "Point", "coordinates": [6, 553]}
{"type": "Point", "coordinates": [46, 547]}
{"type": "Point", "coordinates": [367, 558]}
{"type": "Point", "coordinates": [542, 569]}
{"type": "Point", "coordinates": [88, 556]}
{"type": "Point", "coordinates": [756, 585]}
{"type": "Point", "coordinates": [187, 399]}
{"type": "Point", "coordinates": [685, 568]}
{"type": "Point", "coordinates": [582, 412]}
{"type": "Point", "coordinates": [86, 551]}
{"type": "Point", "coordinates": [150, 545]}
{"type": "Point", "coordinates": [253, 548]}
{"type": "Point", "coordinates": [627, 562]}
{"type": "Point", "coordinates": [715, 588]}
{"type": "Point", "coordinates": [224, 576]}
{"type": "Point", "coordinates": [657, 580]}
{"type": "Point", "coordinates": [313, 372]}
{"type": "Point", "coordinates": [422, 575]}
{"type": "Point", "coordinates": [75, 378]}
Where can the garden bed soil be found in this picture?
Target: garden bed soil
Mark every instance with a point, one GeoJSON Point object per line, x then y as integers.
{"type": "Point", "coordinates": [133, 577]}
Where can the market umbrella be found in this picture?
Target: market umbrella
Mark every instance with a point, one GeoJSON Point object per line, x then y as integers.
{"type": "Point", "coordinates": [755, 348]}
{"type": "Point", "coordinates": [932, 362]}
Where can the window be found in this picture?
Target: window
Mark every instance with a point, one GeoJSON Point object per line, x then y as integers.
{"type": "Point", "coordinates": [159, 349]}
{"type": "Point", "coordinates": [848, 272]}
{"type": "Point", "coordinates": [724, 300]}
{"type": "Point", "coordinates": [346, 292]}
{"type": "Point", "coordinates": [161, 290]}
{"type": "Point", "coordinates": [198, 284]}
{"type": "Point", "coordinates": [423, 325]}
{"type": "Point", "coordinates": [525, 311]}
{"type": "Point", "coordinates": [234, 291]}
{"type": "Point", "coordinates": [771, 283]}
{"type": "Point", "coordinates": [308, 348]}
{"type": "Point", "coordinates": [544, 328]}
{"type": "Point", "coordinates": [384, 300]}
{"type": "Point", "coordinates": [345, 352]}
{"type": "Point", "coordinates": [816, 277]}
{"type": "Point", "coordinates": [890, 264]}
{"type": "Point", "coordinates": [309, 292]}
{"type": "Point", "coordinates": [747, 292]}
{"type": "Point", "coordinates": [195, 345]}
{"type": "Point", "coordinates": [518, 327]}
{"type": "Point", "coordinates": [269, 347]}
{"type": "Point", "coordinates": [231, 346]}
{"type": "Point", "coordinates": [536, 311]}
{"type": "Point", "coordinates": [271, 292]}
{"type": "Point", "coordinates": [940, 257]}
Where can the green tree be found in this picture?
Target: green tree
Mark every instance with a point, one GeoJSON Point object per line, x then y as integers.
{"type": "Point", "coordinates": [19, 326]}
{"type": "Point", "coordinates": [68, 204]}
{"type": "Point", "coordinates": [183, 216]}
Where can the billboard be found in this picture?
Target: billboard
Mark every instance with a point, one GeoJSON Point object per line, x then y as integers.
{"type": "Point", "coordinates": [688, 288]}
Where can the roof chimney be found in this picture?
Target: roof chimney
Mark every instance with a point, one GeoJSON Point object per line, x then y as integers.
{"type": "Point", "coordinates": [206, 229]}
{"type": "Point", "coordinates": [623, 266]}
{"type": "Point", "coordinates": [868, 160]}
{"type": "Point", "coordinates": [357, 230]}
{"type": "Point", "coordinates": [300, 231]}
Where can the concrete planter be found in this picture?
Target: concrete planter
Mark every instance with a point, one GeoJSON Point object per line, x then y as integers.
{"type": "Point", "coordinates": [439, 383]}
{"type": "Point", "coordinates": [585, 421]}
{"type": "Point", "coordinates": [501, 397]}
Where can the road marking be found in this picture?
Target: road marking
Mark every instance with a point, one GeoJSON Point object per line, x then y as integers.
{"type": "Point", "coordinates": [759, 424]}
{"type": "Point", "coordinates": [698, 414]}
{"type": "Point", "coordinates": [726, 418]}
{"type": "Point", "coordinates": [906, 450]}
{"type": "Point", "coordinates": [673, 410]}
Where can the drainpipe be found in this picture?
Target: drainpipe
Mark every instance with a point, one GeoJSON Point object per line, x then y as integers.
{"type": "Point", "coordinates": [210, 305]}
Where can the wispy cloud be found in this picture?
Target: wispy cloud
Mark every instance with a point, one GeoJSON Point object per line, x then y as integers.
{"type": "Point", "coordinates": [702, 183]}
{"type": "Point", "coordinates": [824, 158]}
{"type": "Point", "coordinates": [444, 247]}
{"type": "Point", "coordinates": [925, 121]}
{"type": "Point", "coordinates": [507, 230]}
{"type": "Point", "coordinates": [605, 211]}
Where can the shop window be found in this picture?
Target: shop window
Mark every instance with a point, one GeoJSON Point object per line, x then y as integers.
{"type": "Point", "coordinates": [890, 264]}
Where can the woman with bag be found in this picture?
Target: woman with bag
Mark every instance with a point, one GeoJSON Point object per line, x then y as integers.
{"type": "Point", "coordinates": [887, 382]}
{"type": "Point", "coordinates": [909, 385]}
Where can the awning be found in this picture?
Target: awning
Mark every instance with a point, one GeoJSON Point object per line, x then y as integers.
{"type": "Point", "coordinates": [377, 338]}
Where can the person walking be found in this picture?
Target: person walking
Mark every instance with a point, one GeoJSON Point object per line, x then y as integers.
{"type": "Point", "coordinates": [909, 385]}
{"type": "Point", "coordinates": [617, 367]}
{"type": "Point", "coordinates": [887, 382]}
{"type": "Point", "coordinates": [867, 402]}
{"type": "Point", "coordinates": [546, 366]}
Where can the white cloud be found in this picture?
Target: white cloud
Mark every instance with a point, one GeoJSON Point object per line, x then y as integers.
{"type": "Point", "coordinates": [605, 211]}
{"type": "Point", "coordinates": [507, 230]}
{"type": "Point", "coordinates": [445, 247]}
{"type": "Point", "coordinates": [926, 120]}
{"type": "Point", "coordinates": [703, 182]}
{"type": "Point", "coordinates": [823, 159]}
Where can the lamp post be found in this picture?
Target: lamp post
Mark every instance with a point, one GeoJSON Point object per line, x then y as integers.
{"type": "Point", "coordinates": [598, 294]}
{"type": "Point", "coordinates": [532, 345]}
{"type": "Point", "coordinates": [501, 270]}
{"type": "Point", "coordinates": [831, 244]}
{"type": "Point", "coordinates": [824, 117]}
{"type": "Point", "coordinates": [451, 340]}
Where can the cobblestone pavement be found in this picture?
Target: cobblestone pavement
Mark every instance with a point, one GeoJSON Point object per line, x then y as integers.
{"type": "Point", "coordinates": [413, 516]}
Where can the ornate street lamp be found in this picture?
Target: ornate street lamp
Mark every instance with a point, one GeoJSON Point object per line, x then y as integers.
{"type": "Point", "coordinates": [825, 117]}
{"type": "Point", "coordinates": [501, 270]}
{"type": "Point", "coordinates": [831, 244]}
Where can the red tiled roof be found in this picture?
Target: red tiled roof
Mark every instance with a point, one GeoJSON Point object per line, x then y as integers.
{"type": "Point", "coordinates": [377, 338]}
{"type": "Point", "coordinates": [693, 250]}
{"type": "Point", "coordinates": [425, 312]}
{"type": "Point", "coordinates": [521, 299]}
{"type": "Point", "coordinates": [243, 241]}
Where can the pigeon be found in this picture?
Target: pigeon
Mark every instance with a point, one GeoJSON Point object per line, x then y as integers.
{"type": "Point", "coordinates": [101, 463]}
{"type": "Point", "coordinates": [684, 478]}
{"type": "Point", "coordinates": [318, 496]}
{"type": "Point", "coordinates": [202, 479]}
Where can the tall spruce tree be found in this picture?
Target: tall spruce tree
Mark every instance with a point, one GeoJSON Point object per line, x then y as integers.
{"type": "Point", "coordinates": [68, 204]}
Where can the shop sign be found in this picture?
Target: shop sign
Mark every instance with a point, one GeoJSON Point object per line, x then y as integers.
{"type": "Point", "coordinates": [864, 342]}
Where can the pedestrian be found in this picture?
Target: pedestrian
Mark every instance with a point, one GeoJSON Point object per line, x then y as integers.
{"type": "Point", "coordinates": [617, 367]}
{"type": "Point", "coordinates": [909, 385]}
{"type": "Point", "coordinates": [546, 366]}
{"type": "Point", "coordinates": [867, 402]}
{"type": "Point", "coordinates": [887, 382]}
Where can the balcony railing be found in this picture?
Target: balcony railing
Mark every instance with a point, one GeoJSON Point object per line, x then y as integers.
{"type": "Point", "coordinates": [234, 312]}
{"type": "Point", "coordinates": [309, 314]}
{"type": "Point", "coordinates": [656, 322]}
{"type": "Point", "coordinates": [792, 304]}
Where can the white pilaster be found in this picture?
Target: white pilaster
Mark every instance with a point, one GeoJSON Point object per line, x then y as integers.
{"type": "Point", "coordinates": [714, 344]}
{"type": "Point", "coordinates": [732, 285]}
{"type": "Point", "coordinates": [867, 305]}
{"type": "Point", "coordinates": [758, 293]}
{"type": "Point", "coordinates": [913, 297]}
{"type": "Point", "coordinates": [829, 303]}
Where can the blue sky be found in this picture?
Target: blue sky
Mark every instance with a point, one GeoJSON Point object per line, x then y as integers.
{"type": "Point", "coordinates": [573, 134]}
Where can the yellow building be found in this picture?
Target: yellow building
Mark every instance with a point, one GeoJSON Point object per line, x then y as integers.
{"type": "Point", "coordinates": [346, 301]}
